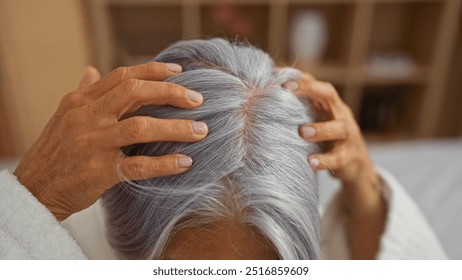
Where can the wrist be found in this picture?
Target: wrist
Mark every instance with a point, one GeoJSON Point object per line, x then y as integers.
{"type": "Point", "coordinates": [40, 194]}
{"type": "Point", "coordinates": [363, 196]}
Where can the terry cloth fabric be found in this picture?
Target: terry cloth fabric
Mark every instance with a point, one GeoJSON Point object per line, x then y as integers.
{"type": "Point", "coordinates": [27, 229]}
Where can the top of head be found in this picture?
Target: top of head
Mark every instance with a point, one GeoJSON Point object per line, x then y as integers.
{"type": "Point", "coordinates": [252, 157]}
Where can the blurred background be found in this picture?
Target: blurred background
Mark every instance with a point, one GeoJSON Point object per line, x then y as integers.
{"type": "Point", "coordinates": [396, 63]}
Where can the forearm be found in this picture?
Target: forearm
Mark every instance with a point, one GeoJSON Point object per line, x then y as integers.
{"type": "Point", "coordinates": [365, 212]}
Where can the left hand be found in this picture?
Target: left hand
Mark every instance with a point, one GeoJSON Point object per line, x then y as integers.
{"type": "Point", "coordinates": [348, 158]}
{"type": "Point", "coordinates": [349, 161]}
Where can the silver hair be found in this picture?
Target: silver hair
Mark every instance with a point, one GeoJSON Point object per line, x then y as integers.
{"type": "Point", "coordinates": [252, 165]}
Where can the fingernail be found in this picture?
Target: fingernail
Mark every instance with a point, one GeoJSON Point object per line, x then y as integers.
{"type": "Point", "coordinates": [185, 161]}
{"type": "Point", "coordinates": [314, 162]}
{"type": "Point", "coordinates": [308, 131]}
{"type": "Point", "coordinates": [195, 96]}
{"type": "Point", "coordinates": [292, 86]}
{"type": "Point", "coordinates": [199, 127]}
{"type": "Point", "coordinates": [176, 68]}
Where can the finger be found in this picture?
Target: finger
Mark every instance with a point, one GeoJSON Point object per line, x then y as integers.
{"type": "Point", "coordinates": [132, 94]}
{"type": "Point", "coordinates": [90, 76]}
{"type": "Point", "coordinates": [315, 90]}
{"type": "Point", "coordinates": [153, 71]}
{"type": "Point", "coordinates": [308, 76]}
{"type": "Point", "coordinates": [331, 161]}
{"type": "Point", "coordinates": [324, 131]}
{"type": "Point", "coordinates": [146, 129]}
{"type": "Point", "coordinates": [144, 167]}
{"type": "Point", "coordinates": [295, 85]}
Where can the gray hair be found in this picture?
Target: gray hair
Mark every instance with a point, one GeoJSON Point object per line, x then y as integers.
{"type": "Point", "coordinates": [252, 165]}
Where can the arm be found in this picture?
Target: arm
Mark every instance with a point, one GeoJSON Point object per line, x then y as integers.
{"type": "Point", "coordinates": [406, 235]}
{"type": "Point", "coordinates": [78, 155]}
{"type": "Point", "coordinates": [365, 215]}
{"type": "Point", "coordinates": [348, 160]}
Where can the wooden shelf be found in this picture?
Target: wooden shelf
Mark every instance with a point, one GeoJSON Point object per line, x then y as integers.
{"type": "Point", "coordinates": [339, 23]}
{"type": "Point", "coordinates": [234, 21]}
{"type": "Point", "coordinates": [133, 28]}
{"type": "Point", "coordinates": [418, 77]}
{"type": "Point", "coordinates": [408, 26]}
{"type": "Point", "coordinates": [391, 109]}
{"type": "Point", "coordinates": [154, 3]}
{"type": "Point", "coordinates": [420, 31]}
{"type": "Point", "coordinates": [328, 72]}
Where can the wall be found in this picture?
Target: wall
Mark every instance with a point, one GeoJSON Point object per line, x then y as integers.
{"type": "Point", "coordinates": [42, 56]}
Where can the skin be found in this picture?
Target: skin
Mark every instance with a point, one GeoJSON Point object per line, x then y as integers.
{"type": "Point", "coordinates": [225, 240]}
{"type": "Point", "coordinates": [72, 163]}
{"type": "Point", "coordinates": [347, 157]}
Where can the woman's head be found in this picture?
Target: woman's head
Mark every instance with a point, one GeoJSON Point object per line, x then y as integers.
{"type": "Point", "coordinates": [250, 183]}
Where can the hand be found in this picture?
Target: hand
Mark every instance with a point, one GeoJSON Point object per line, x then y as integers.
{"type": "Point", "coordinates": [348, 160]}
{"type": "Point", "coordinates": [78, 155]}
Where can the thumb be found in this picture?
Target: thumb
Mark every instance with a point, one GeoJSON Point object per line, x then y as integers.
{"type": "Point", "coordinates": [90, 76]}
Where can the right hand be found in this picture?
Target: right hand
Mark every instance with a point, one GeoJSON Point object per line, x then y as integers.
{"type": "Point", "coordinates": [78, 155]}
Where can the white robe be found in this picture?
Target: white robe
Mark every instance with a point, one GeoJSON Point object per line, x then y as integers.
{"type": "Point", "coordinates": [29, 231]}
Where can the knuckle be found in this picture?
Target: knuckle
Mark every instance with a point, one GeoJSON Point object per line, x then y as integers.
{"type": "Point", "coordinates": [71, 99]}
{"type": "Point", "coordinates": [337, 163]}
{"type": "Point", "coordinates": [170, 91]}
{"type": "Point", "coordinates": [137, 127]}
{"type": "Point", "coordinates": [168, 86]}
{"type": "Point", "coordinates": [136, 168]}
{"type": "Point", "coordinates": [120, 74]}
{"type": "Point", "coordinates": [308, 76]}
{"type": "Point", "coordinates": [330, 92]}
{"type": "Point", "coordinates": [312, 86]}
{"type": "Point", "coordinates": [305, 85]}
{"type": "Point", "coordinates": [330, 87]}
{"type": "Point", "coordinates": [130, 86]}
